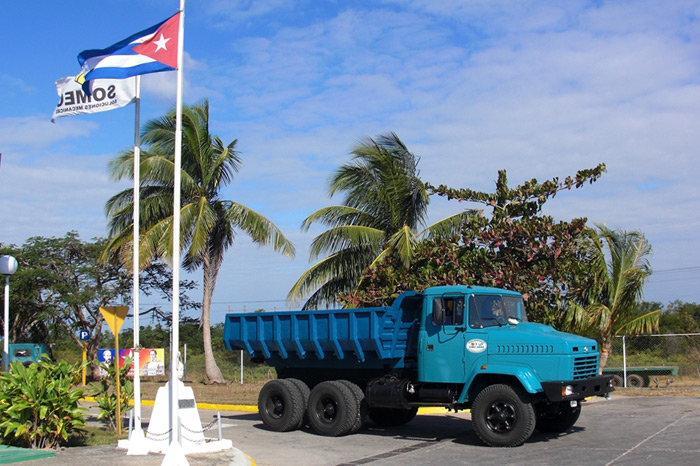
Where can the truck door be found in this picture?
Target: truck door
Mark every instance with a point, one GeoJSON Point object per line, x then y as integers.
{"type": "Point", "coordinates": [442, 340]}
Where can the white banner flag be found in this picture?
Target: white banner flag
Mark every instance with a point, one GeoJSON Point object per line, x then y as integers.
{"type": "Point", "coordinates": [107, 94]}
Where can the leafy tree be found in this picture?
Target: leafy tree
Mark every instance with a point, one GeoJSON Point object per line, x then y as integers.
{"type": "Point", "coordinates": [61, 284]}
{"type": "Point", "coordinates": [385, 204]}
{"type": "Point", "coordinates": [514, 248]}
{"type": "Point", "coordinates": [619, 269]}
{"type": "Point", "coordinates": [208, 222]}
{"type": "Point", "coordinates": [678, 317]}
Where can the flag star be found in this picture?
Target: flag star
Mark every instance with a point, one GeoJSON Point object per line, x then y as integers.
{"type": "Point", "coordinates": [161, 43]}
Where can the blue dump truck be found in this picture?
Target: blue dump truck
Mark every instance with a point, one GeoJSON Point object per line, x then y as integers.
{"type": "Point", "coordinates": [458, 347]}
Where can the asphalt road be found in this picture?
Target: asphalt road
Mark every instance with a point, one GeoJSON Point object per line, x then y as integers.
{"type": "Point", "coordinates": [623, 430]}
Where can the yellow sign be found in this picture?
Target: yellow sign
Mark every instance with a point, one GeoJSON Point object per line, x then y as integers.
{"type": "Point", "coordinates": [114, 316]}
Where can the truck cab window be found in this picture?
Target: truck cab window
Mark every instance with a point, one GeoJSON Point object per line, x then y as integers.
{"type": "Point", "coordinates": [490, 310]}
{"type": "Point", "coordinates": [453, 308]}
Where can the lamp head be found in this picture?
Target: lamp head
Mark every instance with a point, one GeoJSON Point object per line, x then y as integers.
{"type": "Point", "coordinates": [8, 265]}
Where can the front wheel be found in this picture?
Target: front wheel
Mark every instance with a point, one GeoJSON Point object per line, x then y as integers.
{"type": "Point", "coordinates": [559, 420]}
{"type": "Point", "coordinates": [503, 416]}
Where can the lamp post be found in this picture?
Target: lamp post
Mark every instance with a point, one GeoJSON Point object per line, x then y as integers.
{"type": "Point", "coordinates": [8, 266]}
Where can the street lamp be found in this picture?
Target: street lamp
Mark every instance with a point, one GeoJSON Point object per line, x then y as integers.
{"type": "Point", "coordinates": [8, 266]}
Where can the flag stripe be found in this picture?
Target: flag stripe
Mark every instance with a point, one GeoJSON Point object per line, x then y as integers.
{"type": "Point", "coordinates": [121, 61]}
{"type": "Point", "coordinates": [121, 73]}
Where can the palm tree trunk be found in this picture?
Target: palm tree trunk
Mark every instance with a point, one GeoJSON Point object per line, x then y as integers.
{"type": "Point", "coordinates": [605, 350]}
{"type": "Point", "coordinates": [211, 368]}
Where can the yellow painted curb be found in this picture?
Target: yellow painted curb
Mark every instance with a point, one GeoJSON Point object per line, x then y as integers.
{"type": "Point", "coordinates": [437, 410]}
{"type": "Point", "coordinates": [254, 409]}
{"type": "Point", "coordinates": [252, 462]}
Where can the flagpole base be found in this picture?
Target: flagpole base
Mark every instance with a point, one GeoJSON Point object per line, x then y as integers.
{"type": "Point", "coordinates": [137, 443]}
{"type": "Point", "coordinates": [175, 455]}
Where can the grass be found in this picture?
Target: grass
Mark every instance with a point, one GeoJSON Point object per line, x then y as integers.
{"type": "Point", "coordinates": [95, 436]}
{"type": "Point", "coordinates": [232, 393]}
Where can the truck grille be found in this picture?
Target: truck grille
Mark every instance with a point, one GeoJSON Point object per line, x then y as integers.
{"type": "Point", "coordinates": [585, 366]}
{"type": "Point", "coordinates": [524, 349]}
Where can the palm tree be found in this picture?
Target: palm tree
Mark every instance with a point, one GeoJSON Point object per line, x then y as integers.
{"type": "Point", "coordinates": [385, 203]}
{"type": "Point", "coordinates": [619, 270]}
{"type": "Point", "coordinates": [208, 223]}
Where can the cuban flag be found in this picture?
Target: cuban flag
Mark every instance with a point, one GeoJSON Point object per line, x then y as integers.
{"type": "Point", "coordinates": [149, 51]}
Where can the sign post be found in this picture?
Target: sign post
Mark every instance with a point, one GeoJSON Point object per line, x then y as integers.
{"type": "Point", "coordinates": [114, 316]}
{"type": "Point", "coordinates": [84, 336]}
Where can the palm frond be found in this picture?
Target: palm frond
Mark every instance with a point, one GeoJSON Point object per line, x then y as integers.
{"type": "Point", "coordinates": [647, 323]}
{"type": "Point", "coordinates": [346, 237]}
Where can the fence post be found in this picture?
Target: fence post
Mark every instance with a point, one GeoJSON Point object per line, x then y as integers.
{"type": "Point", "coordinates": [624, 362]}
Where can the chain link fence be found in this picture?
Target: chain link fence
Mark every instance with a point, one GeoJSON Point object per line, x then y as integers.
{"type": "Point", "coordinates": [656, 361]}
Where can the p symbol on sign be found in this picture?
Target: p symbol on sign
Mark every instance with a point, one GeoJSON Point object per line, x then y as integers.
{"type": "Point", "coordinates": [84, 335]}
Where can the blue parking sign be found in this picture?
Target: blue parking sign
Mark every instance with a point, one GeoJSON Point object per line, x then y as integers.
{"type": "Point", "coordinates": [84, 334]}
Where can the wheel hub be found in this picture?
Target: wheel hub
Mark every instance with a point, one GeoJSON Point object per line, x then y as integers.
{"type": "Point", "coordinates": [500, 417]}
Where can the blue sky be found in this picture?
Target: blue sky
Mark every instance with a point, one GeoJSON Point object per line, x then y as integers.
{"type": "Point", "coordinates": [540, 88]}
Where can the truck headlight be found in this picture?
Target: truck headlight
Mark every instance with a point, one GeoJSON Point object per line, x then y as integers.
{"type": "Point", "coordinates": [567, 390]}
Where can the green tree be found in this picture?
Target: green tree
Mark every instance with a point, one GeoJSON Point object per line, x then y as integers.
{"type": "Point", "coordinates": [514, 247]}
{"type": "Point", "coordinates": [620, 268]}
{"type": "Point", "coordinates": [385, 204]}
{"type": "Point", "coordinates": [60, 285]}
{"type": "Point", "coordinates": [678, 317]}
{"type": "Point", "coordinates": [208, 222]}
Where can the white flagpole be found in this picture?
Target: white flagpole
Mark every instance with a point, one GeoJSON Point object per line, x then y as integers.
{"type": "Point", "coordinates": [136, 442]}
{"type": "Point", "coordinates": [175, 454]}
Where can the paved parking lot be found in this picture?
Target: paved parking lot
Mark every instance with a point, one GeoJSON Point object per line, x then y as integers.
{"type": "Point", "coordinates": [622, 431]}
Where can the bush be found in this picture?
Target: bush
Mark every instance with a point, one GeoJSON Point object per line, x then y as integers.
{"type": "Point", "coordinates": [106, 394]}
{"type": "Point", "coordinates": [38, 404]}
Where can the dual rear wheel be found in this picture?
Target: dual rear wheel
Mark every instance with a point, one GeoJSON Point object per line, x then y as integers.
{"type": "Point", "coordinates": [332, 408]}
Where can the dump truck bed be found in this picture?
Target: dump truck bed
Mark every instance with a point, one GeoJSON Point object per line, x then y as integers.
{"type": "Point", "coordinates": [376, 337]}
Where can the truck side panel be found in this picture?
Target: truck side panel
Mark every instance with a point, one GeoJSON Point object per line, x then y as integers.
{"type": "Point", "coordinates": [372, 337]}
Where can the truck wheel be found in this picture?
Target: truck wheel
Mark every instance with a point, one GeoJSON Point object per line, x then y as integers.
{"type": "Point", "coordinates": [280, 405]}
{"type": "Point", "coordinates": [360, 402]}
{"type": "Point", "coordinates": [502, 416]}
{"type": "Point", "coordinates": [560, 420]}
{"type": "Point", "coordinates": [618, 381]}
{"type": "Point", "coordinates": [304, 392]}
{"type": "Point", "coordinates": [390, 417]}
{"type": "Point", "coordinates": [636, 381]}
{"type": "Point", "coordinates": [332, 409]}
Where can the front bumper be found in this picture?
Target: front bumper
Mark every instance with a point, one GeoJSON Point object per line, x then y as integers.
{"type": "Point", "coordinates": [578, 389]}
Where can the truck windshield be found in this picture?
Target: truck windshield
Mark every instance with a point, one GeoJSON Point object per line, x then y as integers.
{"type": "Point", "coordinates": [490, 310]}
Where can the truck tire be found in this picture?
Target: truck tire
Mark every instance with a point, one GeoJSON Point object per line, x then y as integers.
{"type": "Point", "coordinates": [390, 417]}
{"type": "Point", "coordinates": [332, 409]}
{"type": "Point", "coordinates": [503, 416]}
{"type": "Point", "coordinates": [360, 402]}
{"type": "Point", "coordinates": [304, 392]}
{"type": "Point", "coordinates": [560, 420]}
{"type": "Point", "coordinates": [635, 381]}
{"type": "Point", "coordinates": [280, 405]}
{"type": "Point", "coordinates": [618, 381]}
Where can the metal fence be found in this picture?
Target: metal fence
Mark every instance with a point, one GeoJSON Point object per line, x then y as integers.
{"type": "Point", "coordinates": [656, 361]}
